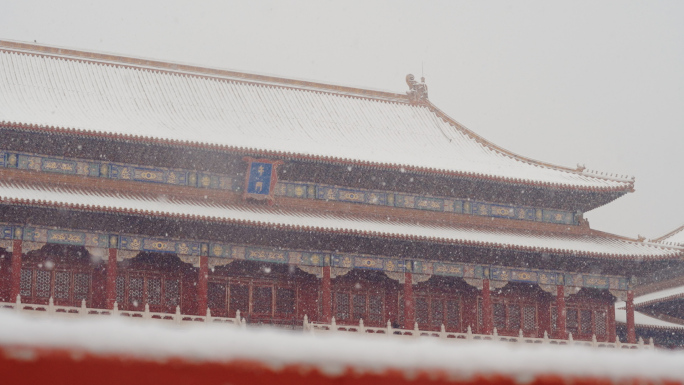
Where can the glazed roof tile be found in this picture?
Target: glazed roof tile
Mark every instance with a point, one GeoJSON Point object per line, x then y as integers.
{"type": "Point", "coordinates": [596, 245]}
{"type": "Point", "coordinates": [83, 91]}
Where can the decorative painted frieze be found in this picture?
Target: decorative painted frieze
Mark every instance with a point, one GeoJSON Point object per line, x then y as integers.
{"type": "Point", "coordinates": [265, 186]}
{"type": "Point", "coordinates": [500, 275]}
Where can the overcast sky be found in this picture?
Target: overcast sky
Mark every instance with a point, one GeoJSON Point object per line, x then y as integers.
{"type": "Point", "coordinates": [599, 83]}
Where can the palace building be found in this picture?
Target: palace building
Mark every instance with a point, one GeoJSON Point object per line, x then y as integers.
{"type": "Point", "coordinates": [146, 187]}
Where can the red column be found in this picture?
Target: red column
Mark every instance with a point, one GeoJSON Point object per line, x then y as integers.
{"type": "Point", "coordinates": [110, 283]}
{"type": "Point", "coordinates": [202, 285]}
{"type": "Point", "coordinates": [326, 295]}
{"type": "Point", "coordinates": [560, 313]}
{"type": "Point", "coordinates": [487, 314]}
{"type": "Point", "coordinates": [15, 277]}
{"type": "Point", "coordinates": [409, 302]}
{"type": "Point", "coordinates": [611, 323]}
{"type": "Point", "coordinates": [631, 327]}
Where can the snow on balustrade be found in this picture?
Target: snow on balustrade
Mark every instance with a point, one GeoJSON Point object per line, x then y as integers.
{"type": "Point", "coordinates": [332, 353]}
{"type": "Point", "coordinates": [308, 327]}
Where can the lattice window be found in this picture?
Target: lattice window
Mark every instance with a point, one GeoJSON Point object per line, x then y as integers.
{"type": "Point", "coordinates": [585, 321]}
{"type": "Point", "coordinates": [81, 286]}
{"type": "Point", "coordinates": [341, 306]}
{"type": "Point", "coordinates": [135, 291]}
{"type": "Point", "coordinates": [358, 306]}
{"type": "Point", "coordinates": [62, 284]}
{"type": "Point", "coordinates": [262, 300]}
{"type": "Point", "coordinates": [499, 316]}
{"type": "Point", "coordinates": [375, 308]}
{"type": "Point", "coordinates": [422, 310]}
{"type": "Point", "coordinates": [172, 293]}
{"type": "Point", "coordinates": [437, 310]}
{"type": "Point", "coordinates": [600, 323]}
{"type": "Point", "coordinates": [25, 283]}
{"type": "Point", "coordinates": [554, 319]}
{"type": "Point", "coordinates": [514, 317]}
{"type": "Point", "coordinates": [453, 313]}
{"type": "Point", "coordinates": [529, 318]}
{"type": "Point", "coordinates": [216, 294]}
{"type": "Point", "coordinates": [154, 291]}
{"type": "Point", "coordinates": [43, 283]}
{"type": "Point", "coordinates": [480, 320]}
{"type": "Point", "coordinates": [120, 290]}
{"type": "Point", "coordinates": [285, 301]}
{"type": "Point", "coordinates": [239, 298]}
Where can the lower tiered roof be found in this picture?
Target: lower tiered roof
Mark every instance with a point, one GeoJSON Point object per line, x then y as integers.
{"type": "Point", "coordinates": [592, 244]}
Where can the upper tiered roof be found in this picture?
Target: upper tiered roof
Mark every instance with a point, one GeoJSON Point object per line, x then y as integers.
{"type": "Point", "coordinates": [104, 95]}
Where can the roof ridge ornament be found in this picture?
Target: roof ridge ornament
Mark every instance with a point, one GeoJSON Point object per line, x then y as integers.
{"type": "Point", "coordinates": [418, 92]}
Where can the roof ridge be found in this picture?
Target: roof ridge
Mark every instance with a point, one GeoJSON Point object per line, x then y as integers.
{"type": "Point", "coordinates": [668, 235]}
{"type": "Point", "coordinates": [198, 70]}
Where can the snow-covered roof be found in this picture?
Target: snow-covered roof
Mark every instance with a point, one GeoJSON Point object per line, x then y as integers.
{"type": "Point", "coordinates": [675, 237]}
{"type": "Point", "coordinates": [49, 88]}
{"type": "Point", "coordinates": [335, 354]}
{"type": "Point", "coordinates": [593, 245]}
{"type": "Point", "coordinates": [643, 320]}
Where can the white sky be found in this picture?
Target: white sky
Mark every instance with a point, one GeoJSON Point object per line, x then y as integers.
{"type": "Point", "coordinates": [597, 83]}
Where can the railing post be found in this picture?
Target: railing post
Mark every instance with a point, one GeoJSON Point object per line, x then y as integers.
{"type": "Point", "coordinates": [17, 305]}
{"type": "Point", "coordinates": [178, 318]}
{"type": "Point", "coordinates": [650, 343]}
{"type": "Point", "coordinates": [84, 309]}
{"type": "Point", "coordinates": [469, 333]}
{"type": "Point", "coordinates": [237, 317]}
{"type": "Point", "coordinates": [442, 331]}
{"type": "Point", "coordinates": [416, 330]}
{"type": "Point", "coordinates": [594, 343]}
{"type": "Point", "coordinates": [333, 324]}
{"type": "Point", "coordinates": [495, 333]}
{"type": "Point", "coordinates": [641, 343]}
{"type": "Point", "coordinates": [115, 309]}
{"type": "Point", "coordinates": [146, 312]}
{"type": "Point", "coordinates": [570, 337]}
{"type": "Point", "coordinates": [545, 340]}
{"type": "Point", "coordinates": [617, 342]}
{"type": "Point", "coordinates": [521, 337]}
{"type": "Point", "coordinates": [209, 318]}
{"type": "Point", "coordinates": [243, 324]}
{"type": "Point", "coordinates": [389, 328]}
{"type": "Point", "coordinates": [305, 324]}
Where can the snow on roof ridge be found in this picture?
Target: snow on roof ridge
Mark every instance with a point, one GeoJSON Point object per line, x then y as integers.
{"type": "Point", "coordinates": [665, 239]}
{"type": "Point", "coordinates": [142, 63]}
